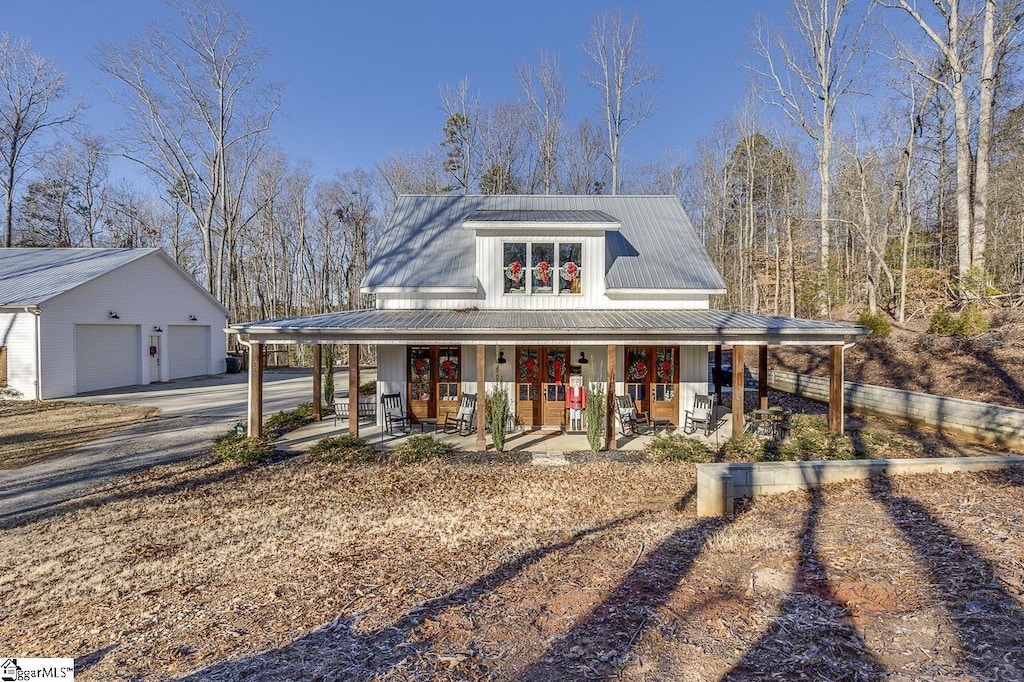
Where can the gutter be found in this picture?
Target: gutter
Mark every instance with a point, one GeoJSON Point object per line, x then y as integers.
{"type": "Point", "coordinates": [39, 350]}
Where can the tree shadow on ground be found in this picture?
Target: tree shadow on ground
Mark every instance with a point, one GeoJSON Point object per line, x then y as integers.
{"type": "Point", "coordinates": [989, 621]}
{"type": "Point", "coordinates": [601, 643]}
{"type": "Point", "coordinates": [339, 651]}
{"type": "Point", "coordinates": [809, 639]}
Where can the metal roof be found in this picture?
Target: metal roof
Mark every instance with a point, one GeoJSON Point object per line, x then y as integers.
{"type": "Point", "coordinates": [541, 216]}
{"type": "Point", "coordinates": [524, 326]}
{"type": "Point", "coordinates": [655, 248]}
{"type": "Point", "coordinates": [33, 276]}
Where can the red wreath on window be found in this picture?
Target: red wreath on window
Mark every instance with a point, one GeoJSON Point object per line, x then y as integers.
{"type": "Point", "coordinates": [516, 272]}
{"type": "Point", "coordinates": [449, 370]}
{"type": "Point", "coordinates": [665, 372]}
{"type": "Point", "coordinates": [529, 372]}
{"type": "Point", "coordinates": [638, 370]}
{"type": "Point", "coordinates": [556, 372]}
{"type": "Point", "coordinates": [419, 367]}
{"type": "Point", "coordinates": [572, 271]}
{"type": "Point", "coordinates": [545, 271]}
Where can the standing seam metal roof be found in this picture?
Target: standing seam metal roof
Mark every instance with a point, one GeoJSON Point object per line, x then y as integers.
{"type": "Point", "coordinates": [656, 247]}
{"type": "Point", "coordinates": [33, 276]}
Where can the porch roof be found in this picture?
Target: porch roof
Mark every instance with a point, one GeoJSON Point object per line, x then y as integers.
{"type": "Point", "coordinates": [493, 327]}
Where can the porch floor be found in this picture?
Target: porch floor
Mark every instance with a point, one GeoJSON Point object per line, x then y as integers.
{"type": "Point", "coordinates": [528, 440]}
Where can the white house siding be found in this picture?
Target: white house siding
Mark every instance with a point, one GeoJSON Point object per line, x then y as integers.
{"type": "Point", "coordinates": [18, 334]}
{"type": "Point", "coordinates": [391, 376]}
{"type": "Point", "coordinates": [521, 302]}
{"type": "Point", "coordinates": [693, 376]}
{"type": "Point", "coordinates": [147, 292]}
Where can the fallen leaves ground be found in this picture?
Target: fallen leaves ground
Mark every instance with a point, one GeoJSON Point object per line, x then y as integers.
{"type": "Point", "coordinates": [31, 431]}
{"type": "Point", "coordinates": [478, 569]}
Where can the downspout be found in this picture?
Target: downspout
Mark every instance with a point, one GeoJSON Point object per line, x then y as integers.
{"type": "Point", "coordinates": [39, 351]}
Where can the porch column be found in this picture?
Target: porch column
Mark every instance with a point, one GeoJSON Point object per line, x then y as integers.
{"type": "Point", "coordinates": [353, 389]}
{"type": "Point", "coordinates": [255, 421]}
{"type": "Point", "coordinates": [317, 385]}
{"type": "Point", "coordinates": [481, 397]}
{"type": "Point", "coordinates": [718, 374]}
{"type": "Point", "coordinates": [610, 399]}
{"type": "Point", "coordinates": [737, 391]}
{"type": "Point", "coordinates": [835, 389]}
{"type": "Point", "coordinates": [762, 377]}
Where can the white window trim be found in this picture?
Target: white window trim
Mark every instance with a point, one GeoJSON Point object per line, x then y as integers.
{"type": "Point", "coordinates": [528, 269]}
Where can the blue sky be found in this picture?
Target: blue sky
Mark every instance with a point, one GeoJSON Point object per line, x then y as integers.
{"type": "Point", "coordinates": [361, 79]}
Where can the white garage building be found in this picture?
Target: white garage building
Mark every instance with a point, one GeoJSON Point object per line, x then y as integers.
{"type": "Point", "coordinates": [79, 320]}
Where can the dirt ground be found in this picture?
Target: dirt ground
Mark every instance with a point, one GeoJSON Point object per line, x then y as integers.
{"type": "Point", "coordinates": [31, 431]}
{"type": "Point", "coordinates": [485, 570]}
{"type": "Point", "coordinates": [988, 367]}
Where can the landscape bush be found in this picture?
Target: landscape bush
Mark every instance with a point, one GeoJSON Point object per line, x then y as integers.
{"type": "Point", "coordinates": [496, 412]}
{"type": "Point", "coordinates": [421, 449]}
{"type": "Point", "coordinates": [879, 323]}
{"type": "Point", "coordinates": [970, 322]}
{"type": "Point", "coordinates": [231, 448]}
{"type": "Point", "coordinates": [345, 449]}
{"type": "Point", "coordinates": [593, 415]}
{"type": "Point", "coordinates": [677, 448]}
{"type": "Point", "coordinates": [368, 388]}
{"type": "Point", "coordinates": [288, 420]}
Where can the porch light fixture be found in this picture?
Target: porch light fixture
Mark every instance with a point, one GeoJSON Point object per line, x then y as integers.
{"type": "Point", "coordinates": [193, 318]}
{"type": "Point", "coordinates": [583, 359]}
{"type": "Point", "coordinates": [501, 357]}
{"type": "Point", "coordinates": [157, 329]}
{"type": "Point", "coordinates": [113, 315]}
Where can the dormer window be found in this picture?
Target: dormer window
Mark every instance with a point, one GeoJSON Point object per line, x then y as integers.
{"type": "Point", "coordinates": [543, 268]}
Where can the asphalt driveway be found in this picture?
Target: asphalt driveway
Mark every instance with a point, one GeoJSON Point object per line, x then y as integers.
{"type": "Point", "coordinates": [192, 413]}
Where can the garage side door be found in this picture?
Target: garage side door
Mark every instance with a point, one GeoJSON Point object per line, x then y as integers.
{"type": "Point", "coordinates": [188, 350]}
{"type": "Point", "coordinates": [106, 356]}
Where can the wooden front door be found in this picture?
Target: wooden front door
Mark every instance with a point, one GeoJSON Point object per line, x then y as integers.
{"type": "Point", "coordinates": [528, 385]}
{"type": "Point", "coordinates": [652, 380]}
{"type": "Point", "coordinates": [435, 375]}
{"type": "Point", "coordinates": [553, 384]}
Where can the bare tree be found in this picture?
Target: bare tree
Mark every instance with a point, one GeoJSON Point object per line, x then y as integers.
{"type": "Point", "coordinates": [953, 33]}
{"type": "Point", "coordinates": [461, 134]}
{"type": "Point", "coordinates": [503, 137]}
{"type": "Point", "coordinates": [546, 96]}
{"type": "Point", "coordinates": [198, 115]}
{"type": "Point", "coordinates": [32, 86]}
{"type": "Point", "coordinates": [583, 171]}
{"type": "Point", "coordinates": [806, 79]}
{"type": "Point", "coordinates": [622, 78]}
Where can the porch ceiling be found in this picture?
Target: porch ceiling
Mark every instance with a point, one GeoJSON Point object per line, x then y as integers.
{"type": "Point", "coordinates": [494, 327]}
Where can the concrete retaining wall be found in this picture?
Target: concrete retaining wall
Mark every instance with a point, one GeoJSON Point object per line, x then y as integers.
{"type": "Point", "coordinates": [980, 421]}
{"type": "Point", "coordinates": [719, 484]}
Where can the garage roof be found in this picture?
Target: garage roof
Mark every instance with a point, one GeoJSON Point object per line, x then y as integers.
{"type": "Point", "coordinates": [29, 277]}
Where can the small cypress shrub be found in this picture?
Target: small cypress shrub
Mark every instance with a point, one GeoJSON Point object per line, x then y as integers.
{"type": "Point", "coordinates": [328, 381]}
{"type": "Point", "coordinates": [497, 412]}
{"type": "Point", "coordinates": [594, 415]}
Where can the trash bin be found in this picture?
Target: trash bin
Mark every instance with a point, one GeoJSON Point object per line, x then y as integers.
{"type": "Point", "coordinates": [232, 365]}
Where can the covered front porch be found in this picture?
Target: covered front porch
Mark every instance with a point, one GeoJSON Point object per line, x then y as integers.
{"type": "Point", "coordinates": [485, 337]}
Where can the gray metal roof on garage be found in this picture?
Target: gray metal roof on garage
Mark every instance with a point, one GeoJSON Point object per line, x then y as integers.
{"type": "Point", "coordinates": [655, 247]}
{"type": "Point", "coordinates": [497, 326]}
{"type": "Point", "coordinates": [33, 276]}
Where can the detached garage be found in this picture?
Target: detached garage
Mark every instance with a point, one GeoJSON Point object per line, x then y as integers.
{"type": "Point", "coordinates": [80, 320]}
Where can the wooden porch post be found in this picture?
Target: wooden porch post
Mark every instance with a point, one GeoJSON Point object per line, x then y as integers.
{"type": "Point", "coordinates": [835, 389]}
{"type": "Point", "coordinates": [737, 391]}
{"type": "Point", "coordinates": [353, 389]}
{"type": "Point", "coordinates": [762, 377]}
{"type": "Point", "coordinates": [718, 374]}
{"type": "Point", "coordinates": [481, 396]}
{"type": "Point", "coordinates": [610, 399]}
{"type": "Point", "coordinates": [255, 421]}
{"type": "Point", "coordinates": [317, 386]}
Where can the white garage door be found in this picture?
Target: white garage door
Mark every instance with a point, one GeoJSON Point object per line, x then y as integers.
{"type": "Point", "coordinates": [106, 356]}
{"type": "Point", "coordinates": [188, 350]}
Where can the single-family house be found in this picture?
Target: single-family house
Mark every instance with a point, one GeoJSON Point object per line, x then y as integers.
{"type": "Point", "coordinates": [528, 290]}
{"type": "Point", "coordinates": [79, 320]}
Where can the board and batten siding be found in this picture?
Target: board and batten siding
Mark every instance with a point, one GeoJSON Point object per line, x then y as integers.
{"type": "Point", "coordinates": [490, 273]}
{"type": "Point", "coordinates": [18, 334]}
{"type": "Point", "coordinates": [148, 292]}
